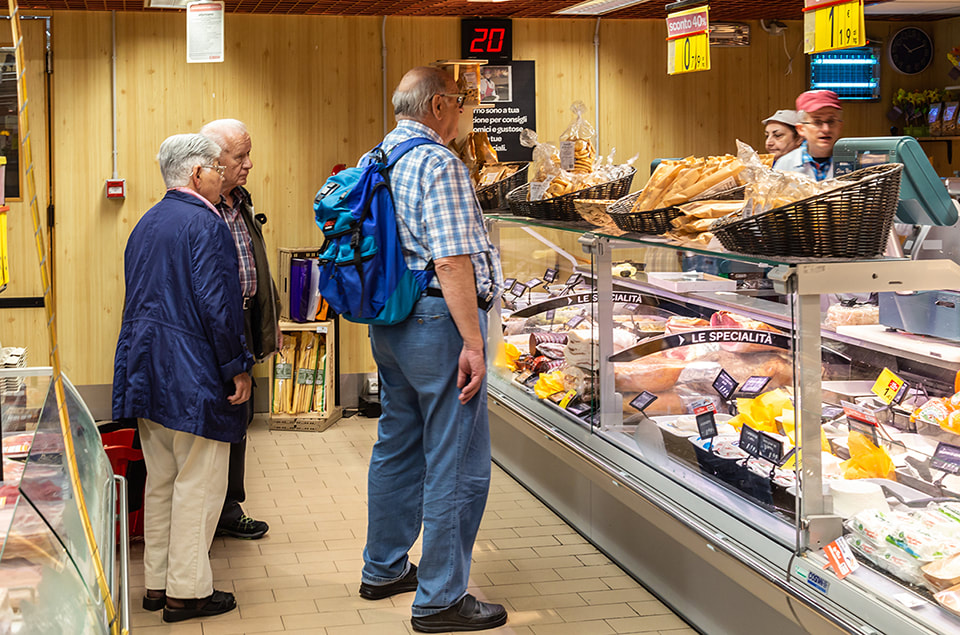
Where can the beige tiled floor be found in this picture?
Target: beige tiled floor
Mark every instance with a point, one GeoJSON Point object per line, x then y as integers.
{"type": "Point", "coordinates": [302, 577]}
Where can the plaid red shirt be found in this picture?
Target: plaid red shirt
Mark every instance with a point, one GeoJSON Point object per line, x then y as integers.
{"type": "Point", "coordinates": [241, 236]}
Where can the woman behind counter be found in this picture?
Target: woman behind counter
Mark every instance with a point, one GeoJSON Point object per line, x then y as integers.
{"type": "Point", "coordinates": [781, 133]}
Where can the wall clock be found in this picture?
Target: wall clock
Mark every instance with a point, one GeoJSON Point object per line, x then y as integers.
{"type": "Point", "coordinates": [911, 50]}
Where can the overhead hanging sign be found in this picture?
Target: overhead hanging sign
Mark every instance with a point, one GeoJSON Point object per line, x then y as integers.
{"type": "Point", "coordinates": [832, 24]}
{"type": "Point", "coordinates": [688, 41]}
{"type": "Point", "coordinates": [204, 32]}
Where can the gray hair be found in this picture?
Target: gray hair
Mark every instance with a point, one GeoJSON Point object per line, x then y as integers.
{"type": "Point", "coordinates": [220, 129]}
{"type": "Point", "coordinates": [180, 153]}
{"type": "Point", "coordinates": [413, 96]}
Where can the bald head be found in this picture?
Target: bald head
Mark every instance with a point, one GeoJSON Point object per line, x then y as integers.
{"type": "Point", "coordinates": [414, 94]}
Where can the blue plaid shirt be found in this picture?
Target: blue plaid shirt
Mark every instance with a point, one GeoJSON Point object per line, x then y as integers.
{"type": "Point", "coordinates": [438, 215]}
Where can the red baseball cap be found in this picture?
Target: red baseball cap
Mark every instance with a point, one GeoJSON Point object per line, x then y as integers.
{"type": "Point", "coordinates": [816, 99]}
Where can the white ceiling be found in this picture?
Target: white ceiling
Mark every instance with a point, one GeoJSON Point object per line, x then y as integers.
{"type": "Point", "coordinates": [915, 7]}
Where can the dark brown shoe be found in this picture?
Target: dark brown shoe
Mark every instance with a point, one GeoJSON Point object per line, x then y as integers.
{"type": "Point", "coordinates": [380, 591]}
{"type": "Point", "coordinates": [469, 614]}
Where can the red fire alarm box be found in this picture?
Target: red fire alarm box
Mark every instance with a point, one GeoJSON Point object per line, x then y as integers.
{"type": "Point", "coordinates": [116, 188]}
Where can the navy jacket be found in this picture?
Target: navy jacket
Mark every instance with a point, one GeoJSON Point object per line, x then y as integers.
{"type": "Point", "coordinates": [181, 341]}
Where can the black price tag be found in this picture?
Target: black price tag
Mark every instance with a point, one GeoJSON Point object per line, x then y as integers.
{"type": "Point", "coordinates": [517, 289]}
{"type": "Point", "coordinates": [754, 385]}
{"type": "Point", "coordinates": [550, 275]}
{"type": "Point", "coordinates": [904, 389]}
{"type": "Point", "coordinates": [724, 384]}
{"type": "Point", "coordinates": [508, 284]}
{"type": "Point", "coordinates": [633, 306]}
{"type": "Point", "coordinates": [866, 429]}
{"type": "Point", "coordinates": [946, 458]}
{"type": "Point", "coordinates": [552, 313]}
{"type": "Point", "coordinates": [644, 399]}
{"type": "Point", "coordinates": [706, 425]}
{"type": "Point", "coordinates": [532, 282]}
{"type": "Point", "coordinates": [574, 279]}
{"type": "Point", "coordinates": [750, 440]}
{"type": "Point", "coordinates": [573, 322]}
{"type": "Point", "coordinates": [578, 408]}
{"type": "Point", "coordinates": [770, 448]}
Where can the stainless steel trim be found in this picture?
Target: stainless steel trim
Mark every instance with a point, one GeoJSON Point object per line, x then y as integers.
{"type": "Point", "coordinates": [123, 602]}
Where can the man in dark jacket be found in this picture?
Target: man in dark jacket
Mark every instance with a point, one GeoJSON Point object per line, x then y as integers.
{"type": "Point", "coordinates": [182, 368]}
{"type": "Point", "coordinates": [261, 302]}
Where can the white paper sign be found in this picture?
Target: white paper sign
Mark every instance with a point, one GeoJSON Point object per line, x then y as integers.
{"type": "Point", "coordinates": [204, 31]}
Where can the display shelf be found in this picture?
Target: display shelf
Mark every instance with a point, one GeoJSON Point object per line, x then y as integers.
{"type": "Point", "coordinates": [948, 140]}
{"type": "Point", "coordinates": [47, 570]}
{"type": "Point", "coordinates": [606, 329]}
{"type": "Point", "coordinates": [309, 420]}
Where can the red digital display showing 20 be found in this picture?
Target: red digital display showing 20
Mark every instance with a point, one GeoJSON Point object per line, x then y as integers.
{"type": "Point", "coordinates": [486, 39]}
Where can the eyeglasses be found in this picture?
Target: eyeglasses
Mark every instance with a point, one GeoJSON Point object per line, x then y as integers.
{"type": "Point", "coordinates": [221, 169]}
{"type": "Point", "coordinates": [820, 123]}
{"type": "Point", "coordinates": [460, 98]}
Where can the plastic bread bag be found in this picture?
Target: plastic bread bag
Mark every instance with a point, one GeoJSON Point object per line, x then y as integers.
{"type": "Point", "coordinates": [544, 166]}
{"type": "Point", "coordinates": [866, 460]}
{"type": "Point", "coordinates": [577, 153]}
{"type": "Point", "coordinates": [661, 179]}
{"type": "Point", "coordinates": [483, 149]}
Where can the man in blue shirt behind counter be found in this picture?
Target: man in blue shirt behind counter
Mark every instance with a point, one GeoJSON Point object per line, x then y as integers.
{"type": "Point", "coordinates": [430, 467]}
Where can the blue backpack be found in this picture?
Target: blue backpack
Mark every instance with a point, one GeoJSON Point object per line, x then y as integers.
{"type": "Point", "coordinates": [363, 275]}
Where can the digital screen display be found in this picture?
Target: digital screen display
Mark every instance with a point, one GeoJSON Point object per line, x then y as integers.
{"type": "Point", "coordinates": [724, 384]}
{"type": "Point", "coordinates": [706, 425]}
{"type": "Point", "coordinates": [754, 385]}
{"type": "Point", "coordinates": [644, 399]}
{"type": "Point", "coordinates": [485, 38]}
{"type": "Point", "coordinates": [749, 440]}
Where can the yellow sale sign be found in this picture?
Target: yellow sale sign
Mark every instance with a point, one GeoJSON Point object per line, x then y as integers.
{"type": "Point", "coordinates": [832, 25]}
{"type": "Point", "coordinates": [688, 41]}
{"type": "Point", "coordinates": [887, 386]}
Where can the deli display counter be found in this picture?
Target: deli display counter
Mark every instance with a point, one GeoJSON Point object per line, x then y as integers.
{"type": "Point", "coordinates": [48, 580]}
{"type": "Point", "coordinates": [714, 441]}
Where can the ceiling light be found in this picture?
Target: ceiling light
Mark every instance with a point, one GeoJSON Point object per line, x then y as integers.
{"type": "Point", "coordinates": [598, 7]}
{"type": "Point", "coordinates": [165, 4]}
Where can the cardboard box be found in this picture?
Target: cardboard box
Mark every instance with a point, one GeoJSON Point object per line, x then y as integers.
{"type": "Point", "coordinates": [283, 281]}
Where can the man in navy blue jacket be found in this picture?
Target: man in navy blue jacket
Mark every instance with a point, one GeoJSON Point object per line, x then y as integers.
{"type": "Point", "coordinates": [182, 368]}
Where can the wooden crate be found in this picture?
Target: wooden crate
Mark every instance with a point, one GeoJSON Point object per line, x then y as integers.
{"type": "Point", "coordinates": [310, 421]}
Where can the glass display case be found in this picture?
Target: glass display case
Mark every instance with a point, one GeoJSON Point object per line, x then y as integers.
{"type": "Point", "coordinates": [48, 580]}
{"type": "Point", "coordinates": [755, 403]}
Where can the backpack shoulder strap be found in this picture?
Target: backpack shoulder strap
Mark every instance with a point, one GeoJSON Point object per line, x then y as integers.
{"type": "Point", "coordinates": [403, 147]}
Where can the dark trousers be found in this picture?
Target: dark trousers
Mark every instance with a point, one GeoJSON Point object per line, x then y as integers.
{"type": "Point", "coordinates": [238, 455]}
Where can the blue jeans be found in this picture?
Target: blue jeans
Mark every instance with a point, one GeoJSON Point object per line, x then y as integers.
{"type": "Point", "coordinates": [431, 462]}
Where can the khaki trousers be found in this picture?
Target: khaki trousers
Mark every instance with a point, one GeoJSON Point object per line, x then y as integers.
{"type": "Point", "coordinates": [186, 483]}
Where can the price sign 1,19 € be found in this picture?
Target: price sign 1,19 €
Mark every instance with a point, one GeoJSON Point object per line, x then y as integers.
{"type": "Point", "coordinates": [688, 41]}
{"type": "Point", "coordinates": [830, 25]}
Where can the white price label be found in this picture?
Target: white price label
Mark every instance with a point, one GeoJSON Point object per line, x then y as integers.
{"type": "Point", "coordinates": [567, 154]}
{"type": "Point", "coordinates": [321, 329]}
{"type": "Point", "coordinates": [537, 188]}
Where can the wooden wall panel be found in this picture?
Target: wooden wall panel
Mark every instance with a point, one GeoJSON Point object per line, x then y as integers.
{"type": "Point", "coordinates": [310, 89]}
{"type": "Point", "coordinates": [27, 327]}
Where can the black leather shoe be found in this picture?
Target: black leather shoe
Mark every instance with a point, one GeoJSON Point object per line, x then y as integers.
{"type": "Point", "coordinates": [469, 614]}
{"type": "Point", "coordinates": [217, 603]}
{"type": "Point", "coordinates": [154, 603]}
{"type": "Point", "coordinates": [379, 591]}
{"type": "Point", "coordinates": [245, 528]}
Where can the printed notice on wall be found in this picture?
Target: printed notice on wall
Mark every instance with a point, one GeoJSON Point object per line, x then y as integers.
{"type": "Point", "coordinates": [204, 32]}
{"type": "Point", "coordinates": [511, 89]}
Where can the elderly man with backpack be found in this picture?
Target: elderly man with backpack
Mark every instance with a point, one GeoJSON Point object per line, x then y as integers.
{"type": "Point", "coordinates": [430, 467]}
